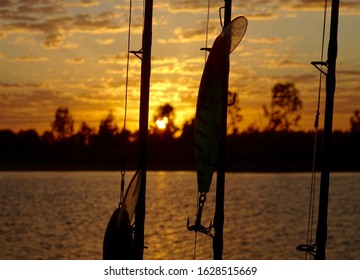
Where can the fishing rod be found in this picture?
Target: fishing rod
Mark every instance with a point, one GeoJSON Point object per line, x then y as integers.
{"type": "Point", "coordinates": [143, 126]}
{"type": "Point", "coordinates": [321, 232]}
{"type": "Point", "coordinates": [123, 240]}
{"type": "Point", "coordinates": [218, 240]}
{"type": "Point", "coordinates": [318, 249]}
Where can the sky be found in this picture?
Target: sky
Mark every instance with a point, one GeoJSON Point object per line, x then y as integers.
{"type": "Point", "coordinates": [73, 54]}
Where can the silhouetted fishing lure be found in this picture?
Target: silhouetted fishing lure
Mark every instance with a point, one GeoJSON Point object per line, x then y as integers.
{"type": "Point", "coordinates": [118, 239]}
{"type": "Point", "coordinates": [208, 109]}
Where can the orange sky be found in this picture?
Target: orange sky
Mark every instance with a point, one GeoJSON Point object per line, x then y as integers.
{"type": "Point", "coordinates": [73, 53]}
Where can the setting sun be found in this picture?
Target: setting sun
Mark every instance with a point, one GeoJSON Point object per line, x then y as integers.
{"type": "Point", "coordinates": [161, 123]}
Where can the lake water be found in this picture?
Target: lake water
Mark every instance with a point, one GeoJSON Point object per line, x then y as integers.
{"type": "Point", "coordinates": [63, 215]}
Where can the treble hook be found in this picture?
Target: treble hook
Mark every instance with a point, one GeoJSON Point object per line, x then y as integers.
{"type": "Point", "coordinates": [233, 101]}
{"type": "Point", "coordinates": [200, 228]}
{"type": "Point", "coordinates": [197, 225]}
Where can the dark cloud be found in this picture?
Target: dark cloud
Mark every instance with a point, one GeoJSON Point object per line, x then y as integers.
{"type": "Point", "coordinates": [53, 20]}
{"type": "Point", "coordinates": [53, 41]}
{"type": "Point", "coordinates": [39, 7]}
{"type": "Point", "coordinates": [102, 23]}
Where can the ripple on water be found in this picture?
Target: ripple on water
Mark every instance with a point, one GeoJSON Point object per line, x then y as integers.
{"type": "Point", "coordinates": [63, 215]}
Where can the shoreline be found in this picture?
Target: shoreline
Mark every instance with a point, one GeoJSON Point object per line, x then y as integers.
{"type": "Point", "coordinates": [276, 167]}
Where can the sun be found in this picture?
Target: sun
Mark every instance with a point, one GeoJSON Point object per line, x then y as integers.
{"type": "Point", "coordinates": [161, 123]}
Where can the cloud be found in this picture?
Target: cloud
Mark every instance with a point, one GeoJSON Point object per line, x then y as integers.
{"type": "Point", "coordinates": [29, 58]}
{"type": "Point", "coordinates": [350, 72]}
{"type": "Point", "coordinates": [265, 40]}
{"type": "Point", "coordinates": [282, 63]}
{"type": "Point", "coordinates": [53, 41]}
{"type": "Point", "coordinates": [83, 3]}
{"type": "Point", "coordinates": [75, 61]}
{"type": "Point", "coordinates": [105, 42]}
{"type": "Point", "coordinates": [269, 9]}
{"type": "Point", "coordinates": [20, 107]}
{"type": "Point", "coordinates": [113, 59]}
{"type": "Point", "coordinates": [261, 16]}
{"type": "Point", "coordinates": [102, 23]}
{"type": "Point", "coordinates": [255, 9]}
{"type": "Point", "coordinates": [57, 20]}
{"type": "Point", "coordinates": [24, 41]}
{"type": "Point", "coordinates": [39, 7]}
{"type": "Point", "coordinates": [182, 6]}
{"type": "Point", "coordinates": [177, 66]}
{"type": "Point", "coordinates": [5, 85]}
{"type": "Point", "coordinates": [189, 35]}
{"type": "Point", "coordinates": [97, 83]}
{"type": "Point", "coordinates": [318, 5]}
{"type": "Point", "coordinates": [193, 34]}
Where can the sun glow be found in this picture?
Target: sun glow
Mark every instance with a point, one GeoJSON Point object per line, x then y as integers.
{"type": "Point", "coordinates": [54, 55]}
{"type": "Point", "coordinates": [161, 123]}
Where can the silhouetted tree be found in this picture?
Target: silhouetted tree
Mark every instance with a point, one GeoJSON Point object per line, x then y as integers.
{"type": "Point", "coordinates": [108, 125]}
{"type": "Point", "coordinates": [28, 138]}
{"type": "Point", "coordinates": [165, 117]}
{"type": "Point", "coordinates": [84, 133]}
{"type": "Point", "coordinates": [63, 126]}
{"type": "Point", "coordinates": [7, 144]}
{"type": "Point", "coordinates": [285, 108]}
{"type": "Point", "coordinates": [188, 132]}
{"type": "Point", "coordinates": [253, 127]}
{"type": "Point", "coordinates": [107, 130]}
{"type": "Point", "coordinates": [28, 144]}
{"type": "Point", "coordinates": [234, 116]}
{"type": "Point", "coordinates": [7, 137]}
{"type": "Point", "coordinates": [47, 138]}
{"type": "Point", "coordinates": [355, 122]}
{"type": "Point", "coordinates": [355, 130]}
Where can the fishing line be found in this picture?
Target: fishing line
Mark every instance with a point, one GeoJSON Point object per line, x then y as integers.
{"type": "Point", "coordinates": [125, 105]}
{"type": "Point", "coordinates": [309, 238]}
{"type": "Point", "coordinates": [127, 65]}
{"type": "Point", "coordinates": [195, 243]}
{"type": "Point", "coordinates": [143, 16]}
{"type": "Point", "coordinates": [207, 29]}
{"type": "Point", "coordinates": [195, 235]}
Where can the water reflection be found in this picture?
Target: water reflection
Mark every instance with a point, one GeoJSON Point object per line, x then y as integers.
{"type": "Point", "coordinates": [63, 215]}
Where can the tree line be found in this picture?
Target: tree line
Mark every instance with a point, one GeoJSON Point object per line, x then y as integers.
{"type": "Point", "coordinates": [276, 148]}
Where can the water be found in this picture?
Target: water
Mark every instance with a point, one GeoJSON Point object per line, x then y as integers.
{"type": "Point", "coordinates": [63, 215]}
